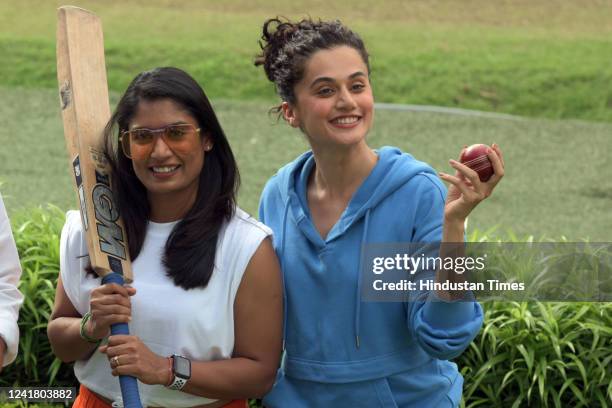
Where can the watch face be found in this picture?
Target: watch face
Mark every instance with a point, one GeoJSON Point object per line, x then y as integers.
{"type": "Point", "coordinates": [182, 367]}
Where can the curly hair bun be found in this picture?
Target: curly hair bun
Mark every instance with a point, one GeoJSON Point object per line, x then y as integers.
{"type": "Point", "coordinates": [287, 46]}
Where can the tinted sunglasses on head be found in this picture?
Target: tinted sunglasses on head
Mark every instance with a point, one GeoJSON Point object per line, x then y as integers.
{"type": "Point", "coordinates": [138, 143]}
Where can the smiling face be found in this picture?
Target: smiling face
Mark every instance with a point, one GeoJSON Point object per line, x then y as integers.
{"type": "Point", "coordinates": [168, 176]}
{"type": "Point", "coordinates": [333, 105]}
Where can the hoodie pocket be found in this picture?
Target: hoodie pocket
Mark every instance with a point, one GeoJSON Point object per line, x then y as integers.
{"type": "Point", "coordinates": [294, 393]}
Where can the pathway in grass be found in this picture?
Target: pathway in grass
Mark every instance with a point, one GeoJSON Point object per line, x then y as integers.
{"type": "Point", "coordinates": [558, 177]}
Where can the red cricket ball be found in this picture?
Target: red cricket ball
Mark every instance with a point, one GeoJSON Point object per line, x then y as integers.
{"type": "Point", "coordinates": [475, 157]}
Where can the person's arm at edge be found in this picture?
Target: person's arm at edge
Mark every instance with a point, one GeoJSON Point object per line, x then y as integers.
{"type": "Point", "coordinates": [10, 297]}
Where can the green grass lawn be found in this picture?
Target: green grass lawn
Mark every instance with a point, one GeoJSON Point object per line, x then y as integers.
{"type": "Point", "coordinates": [546, 59]}
{"type": "Point", "coordinates": [543, 58]}
{"type": "Point", "coordinates": [557, 180]}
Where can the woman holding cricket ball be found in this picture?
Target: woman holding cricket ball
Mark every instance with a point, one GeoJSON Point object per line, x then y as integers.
{"type": "Point", "coordinates": [205, 306]}
{"type": "Point", "coordinates": [328, 203]}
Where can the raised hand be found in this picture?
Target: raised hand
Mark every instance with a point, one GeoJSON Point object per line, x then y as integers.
{"type": "Point", "coordinates": [466, 190]}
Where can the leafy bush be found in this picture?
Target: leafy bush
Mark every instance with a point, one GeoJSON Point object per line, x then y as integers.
{"type": "Point", "coordinates": [527, 354]}
{"type": "Point", "coordinates": [540, 354]}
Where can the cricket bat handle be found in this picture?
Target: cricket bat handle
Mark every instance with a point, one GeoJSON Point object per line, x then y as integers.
{"type": "Point", "coordinates": [129, 384]}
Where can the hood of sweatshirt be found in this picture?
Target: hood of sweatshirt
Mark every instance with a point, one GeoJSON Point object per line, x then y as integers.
{"type": "Point", "coordinates": [392, 171]}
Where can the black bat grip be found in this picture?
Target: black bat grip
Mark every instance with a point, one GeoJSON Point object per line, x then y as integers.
{"type": "Point", "coordinates": [129, 384]}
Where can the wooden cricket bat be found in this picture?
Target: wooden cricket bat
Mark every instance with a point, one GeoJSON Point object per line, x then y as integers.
{"type": "Point", "coordinates": [81, 74]}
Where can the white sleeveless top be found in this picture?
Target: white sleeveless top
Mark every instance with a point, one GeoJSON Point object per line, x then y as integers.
{"type": "Point", "coordinates": [196, 323]}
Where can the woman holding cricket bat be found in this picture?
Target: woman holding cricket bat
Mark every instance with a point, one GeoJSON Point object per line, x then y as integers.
{"type": "Point", "coordinates": [205, 307]}
{"type": "Point", "coordinates": [329, 203]}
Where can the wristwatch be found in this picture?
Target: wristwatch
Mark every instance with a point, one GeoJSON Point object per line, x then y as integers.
{"type": "Point", "coordinates": [181, 369]}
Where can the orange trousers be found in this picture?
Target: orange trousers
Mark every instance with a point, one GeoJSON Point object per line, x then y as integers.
{"type": "Point", "coordinates": [87, 399]}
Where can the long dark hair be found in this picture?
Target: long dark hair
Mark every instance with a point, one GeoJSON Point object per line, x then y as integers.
{"type": "Point", "coordinates": [286, 47]}
{"type": "Point", "coordinates": [190, 249]}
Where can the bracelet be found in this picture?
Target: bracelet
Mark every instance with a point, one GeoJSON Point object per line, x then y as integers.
{"type": "Point", "coordinates": [82, 332]}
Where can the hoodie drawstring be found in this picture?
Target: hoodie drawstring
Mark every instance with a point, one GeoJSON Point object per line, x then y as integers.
{"type": "Point", "coordinates": [282, 266]}
{"type": "Point", "coordinates": [358, 296]}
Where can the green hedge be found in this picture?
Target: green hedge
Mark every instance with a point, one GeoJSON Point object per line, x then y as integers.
{"type": "Point", "coordinates": [540, 354]}
{"type": "Point", "coordinates": [527, 354]}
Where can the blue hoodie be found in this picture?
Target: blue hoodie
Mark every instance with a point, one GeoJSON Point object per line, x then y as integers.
{"type": "Point", "coordinates": [340, 351]}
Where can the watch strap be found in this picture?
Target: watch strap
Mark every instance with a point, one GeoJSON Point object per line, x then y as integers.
{"type": "Point", "coordinates": [178, 383]}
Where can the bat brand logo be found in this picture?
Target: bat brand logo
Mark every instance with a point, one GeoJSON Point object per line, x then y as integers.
{"type": "Point", "coordinates": [76, 165]}
{"type": "Point", "coordinates": [65, 94]}
{"type": "Point", "coordinates": [110, 233]}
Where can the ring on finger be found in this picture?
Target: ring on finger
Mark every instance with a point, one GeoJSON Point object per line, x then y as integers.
{"type": "Point", "coordinates": [115, 361]}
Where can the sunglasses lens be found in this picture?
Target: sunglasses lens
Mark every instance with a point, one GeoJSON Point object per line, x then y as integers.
{"type": "Point", "coordinates": [137, 143]}
{"type": "Point", "coordinates": [141, 136]}
{"type": "Point", "coordinates": [180, 138]}
{"type": "Point", "coordinates": [178, 133]}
